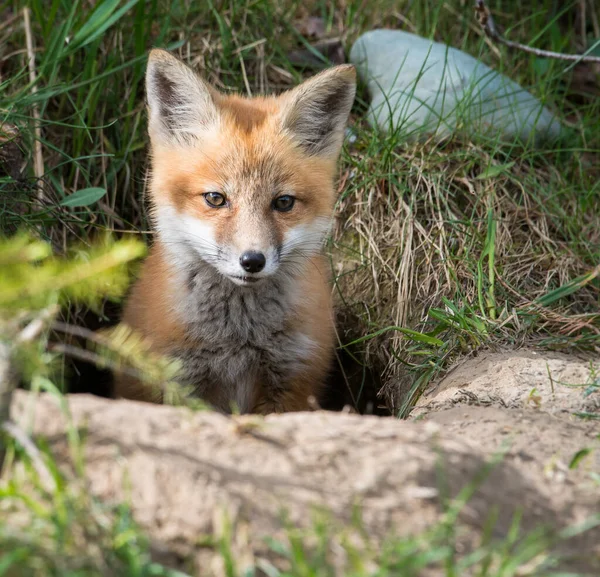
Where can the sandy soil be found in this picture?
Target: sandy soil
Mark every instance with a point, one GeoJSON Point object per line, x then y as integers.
{"type": "Point", "coordinates": [185, 469]}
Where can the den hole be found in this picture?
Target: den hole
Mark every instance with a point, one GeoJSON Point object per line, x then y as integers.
{"type": "Point", "coordinates": [352, 385]}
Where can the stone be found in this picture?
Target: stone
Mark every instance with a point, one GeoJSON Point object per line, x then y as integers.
{"type": "Point", "coordinates": [422, 87]}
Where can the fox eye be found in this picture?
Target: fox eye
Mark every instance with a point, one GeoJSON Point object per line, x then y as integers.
{"type": "Point", "coordinates": [283, 203]}
{"type": "Point", "coordinates": [215, 199]}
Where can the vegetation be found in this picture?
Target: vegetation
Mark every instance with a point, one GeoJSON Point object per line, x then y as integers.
{"type": "Point", "coordinates": [47, 521]}
{"type": "Point", "coordinates": [439, 249]}
{"type": "Point", "coordinates": [474, 242]}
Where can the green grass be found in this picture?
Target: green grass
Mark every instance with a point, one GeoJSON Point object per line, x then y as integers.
{"type": "Point", "coordinates": [62, 531]}
{"type": "Point", "coordinates": [440, 249]}
{"type": "Point", "coordinates": [469, 240]}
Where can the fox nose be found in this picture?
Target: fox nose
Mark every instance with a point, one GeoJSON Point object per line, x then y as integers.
{"type": "Point", "coordinates": [253, 261]}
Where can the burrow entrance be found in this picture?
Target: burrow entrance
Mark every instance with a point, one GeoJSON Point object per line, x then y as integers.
{"type": "Point", "coordinates": [352, 383]}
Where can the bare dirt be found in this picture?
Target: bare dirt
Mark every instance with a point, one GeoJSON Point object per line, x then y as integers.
{"type": "Point", "coordinates": [537, 404]}
{"type": "Point", "coordinates": [182, 471]}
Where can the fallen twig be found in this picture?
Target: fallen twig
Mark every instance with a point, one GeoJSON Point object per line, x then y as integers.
{"type": "Point", "coordinates": [8, 382]}
{"type": "Point", "coordinates": [38, 159]}
{"type": "Point", "coordinates": [486, 20]}
{"type": "Point", "coordinates": [32, 451]}
{"type": "Point", "coordinates": [33, 330]}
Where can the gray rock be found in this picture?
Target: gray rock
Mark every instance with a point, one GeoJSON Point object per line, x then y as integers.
{"type": "Point", "coordinates": [420, 87]}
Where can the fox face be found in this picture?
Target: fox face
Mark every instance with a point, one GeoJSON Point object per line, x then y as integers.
{"type": "Point", "coordinates": [244, 184]}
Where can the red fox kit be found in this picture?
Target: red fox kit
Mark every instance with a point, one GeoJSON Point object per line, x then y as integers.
{"type": "Point", "coordinates": [242, 193]}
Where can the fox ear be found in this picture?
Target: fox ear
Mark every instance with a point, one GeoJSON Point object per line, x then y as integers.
{"type": "Point", "coordinates": [315, 113]}
{"type": "Point", "coordinates": [180, 104]}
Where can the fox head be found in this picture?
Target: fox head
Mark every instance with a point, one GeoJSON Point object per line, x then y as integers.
{"type": "Point", "coordinates": [244, 184]}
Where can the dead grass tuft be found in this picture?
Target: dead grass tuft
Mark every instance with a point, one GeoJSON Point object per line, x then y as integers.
{"type": "Point", "coordinates": [415, 229]}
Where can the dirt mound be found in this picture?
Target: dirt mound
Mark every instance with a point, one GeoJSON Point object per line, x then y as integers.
{"type": "Point", "coordinates": [181, 469]}
{"type": "Point", "coordinates": [558, 384]}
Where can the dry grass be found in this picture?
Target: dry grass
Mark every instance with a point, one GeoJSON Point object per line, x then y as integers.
{"type": "Point", "coordinates": [414, 232]}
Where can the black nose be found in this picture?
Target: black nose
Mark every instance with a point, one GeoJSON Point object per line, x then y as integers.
{"type": "Point", "coordinates": [253, 261]}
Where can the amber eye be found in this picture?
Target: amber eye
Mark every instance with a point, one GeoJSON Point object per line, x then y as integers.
{"type": "Point", "coordinates": [215, 199]}
{"type": "Point", "coordinates": [284, 203]}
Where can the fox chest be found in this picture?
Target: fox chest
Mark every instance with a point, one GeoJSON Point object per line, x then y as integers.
{"type": "Point", "coordinates": [241, 343]}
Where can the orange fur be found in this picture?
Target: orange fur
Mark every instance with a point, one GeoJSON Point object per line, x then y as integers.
{"type": "Point", "coordinates": [250, 157]}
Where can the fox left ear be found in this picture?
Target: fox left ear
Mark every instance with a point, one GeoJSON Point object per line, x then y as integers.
{"type": "Point", "coordinates": [315, 113]}
{"type": "Point", "coordinates": [181, 105]}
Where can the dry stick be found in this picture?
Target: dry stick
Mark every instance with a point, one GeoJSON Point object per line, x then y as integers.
{"type": "Point", "coordinates": [33, 453]}
{"type": "Point", "coordinates": [98, 360]}
{"type": "Point", "coordinates": [38, 159]}
{"type": "Point", "coordinates": [8, 375]}
{"type": "Point", "coordinates": [7, 384]}
{"type": "Point", "coordinates": [486, 20]}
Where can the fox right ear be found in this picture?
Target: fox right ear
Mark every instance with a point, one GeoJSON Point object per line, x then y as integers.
{"type": "Point", "coordinates": [180, 104]}
{"type": "Point", "coordinates": [315, 113]}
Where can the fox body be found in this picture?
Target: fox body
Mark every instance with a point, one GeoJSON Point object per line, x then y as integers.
{"type": "Point", "coordinates": [242, 192]}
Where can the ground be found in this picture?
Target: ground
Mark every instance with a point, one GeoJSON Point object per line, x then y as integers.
{"type": "Point", "coordinates": [496, 441]}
